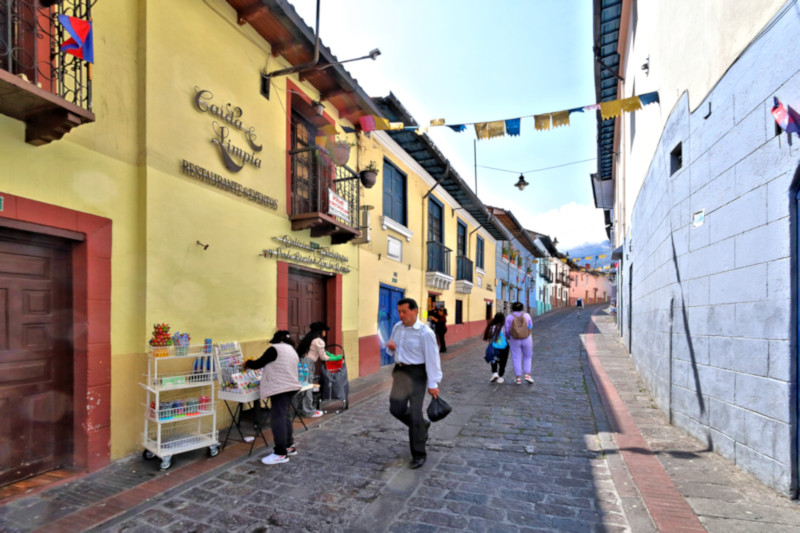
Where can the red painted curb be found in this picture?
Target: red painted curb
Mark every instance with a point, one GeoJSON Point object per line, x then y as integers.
{"type": "Point", "coordinates": [666, 505]}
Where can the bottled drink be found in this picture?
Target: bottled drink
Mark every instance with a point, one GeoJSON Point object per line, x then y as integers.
{"type": "Point", "coordinates": [306, 375]}
{"type": "Point", "coordinates": [300, 373]}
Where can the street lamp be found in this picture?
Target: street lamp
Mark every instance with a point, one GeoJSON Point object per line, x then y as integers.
{"type": "Point", "coordinates": [521, 183]}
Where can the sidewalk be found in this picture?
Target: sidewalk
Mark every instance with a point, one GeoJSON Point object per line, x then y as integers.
{"type": "Point", "coordinates": [723, 497]}
{"type": "Point", "coordinates": [509, 458]}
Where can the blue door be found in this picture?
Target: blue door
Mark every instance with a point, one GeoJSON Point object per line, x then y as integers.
{"type": "Point", "coordinates": [387, 317]}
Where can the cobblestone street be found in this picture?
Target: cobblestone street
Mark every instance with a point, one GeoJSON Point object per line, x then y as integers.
{"type": "Point", "coordinates": [584, 449]}
{"type": "Point", "coordinates": [509, 458]}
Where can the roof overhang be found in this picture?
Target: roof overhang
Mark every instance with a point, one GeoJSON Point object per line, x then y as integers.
{"type": "Point", "coordinates": [516, 230]}
{"type": "Point", "coordinates": [607, 15]}
{"type": "Point", "coordinates": [290, 37]}
{"type": "Point", "coordinates": [423, 150]}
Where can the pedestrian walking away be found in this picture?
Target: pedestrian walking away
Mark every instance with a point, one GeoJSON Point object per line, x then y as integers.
{"type": "Point", "coordinates": [279, 383]}
{"type": "Point", "coordinates": [579, 305]}
{"type": "Point", "coordinates": [495, 334]}
{"type": "Point", "coordinates": [518, 331]}
{"type": "Point", "coordinates": [417, 367]}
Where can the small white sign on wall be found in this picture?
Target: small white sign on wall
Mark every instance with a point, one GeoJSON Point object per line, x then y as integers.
{"type": "Point", "coordinates": [394, 248]}
{"type": "Point", "coordinates": [698, 218]}
{"type": "Point", "coordinates": [479, 281]}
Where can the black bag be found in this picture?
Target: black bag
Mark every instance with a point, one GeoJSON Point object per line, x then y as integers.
{"type": "Point", "coordinates": [438, 409]}
{"type": "Point", "coordinates": [492, 354]}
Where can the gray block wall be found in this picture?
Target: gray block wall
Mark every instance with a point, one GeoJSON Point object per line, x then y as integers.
{"type": "Point", "coordinates": [711, 306]}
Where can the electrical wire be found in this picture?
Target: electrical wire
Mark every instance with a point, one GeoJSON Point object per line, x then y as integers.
{"type": "Point", "coordinates": [539, 169]}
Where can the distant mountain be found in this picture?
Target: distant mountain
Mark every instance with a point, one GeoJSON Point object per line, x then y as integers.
{"type": "Point", "coordinates": [580, 254]}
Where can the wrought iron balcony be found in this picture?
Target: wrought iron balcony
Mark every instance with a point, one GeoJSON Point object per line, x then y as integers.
{"type": "Point", "coordinates": [464, 268]}
{"type": "Point", "coordinates": [438, 274]}
{"type": "Point", "coordinates": [47, 89]}
{"type": "Point", "coordinates": [325, 197]}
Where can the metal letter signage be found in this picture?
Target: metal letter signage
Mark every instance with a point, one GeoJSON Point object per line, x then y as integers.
{"type": "Point", "coordinates": [234, 157]}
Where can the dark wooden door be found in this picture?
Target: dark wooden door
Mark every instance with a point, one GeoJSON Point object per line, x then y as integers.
{"type": "Point", "coordinates": [36, 359]}
{"type": "Point", "coordinates": [307, 301]}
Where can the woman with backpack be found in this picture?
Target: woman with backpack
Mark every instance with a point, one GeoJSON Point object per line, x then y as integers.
{"type": "Point", "coordinates": [518, 331]}
{"type": "Point", "coordinates": [495, 333]}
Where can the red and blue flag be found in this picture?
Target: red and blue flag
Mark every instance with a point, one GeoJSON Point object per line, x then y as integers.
{"type": "Point", "coordinates": [81, 42]}
{"type": "Point", "coordinates": [786, 117]}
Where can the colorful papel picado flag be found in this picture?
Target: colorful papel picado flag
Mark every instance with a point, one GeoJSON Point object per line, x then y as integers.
{"type": "Point", "coordinates": [81, 43]}
{"type": "Point", "coordinates": [785, 117]}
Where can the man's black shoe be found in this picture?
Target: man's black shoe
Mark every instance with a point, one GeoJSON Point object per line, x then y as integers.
{"type": "Point", "coordinates": [417, 462]}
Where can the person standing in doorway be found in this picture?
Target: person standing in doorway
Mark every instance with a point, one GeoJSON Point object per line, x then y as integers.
{"type": "Point", "coordinates": [441, 328]}
{"type": "Point", "coordinates": [518, 331]}
{"type": "Point", "coordinates": [417, 367]}
{"type": "Point", "coordinates": [279, 383]}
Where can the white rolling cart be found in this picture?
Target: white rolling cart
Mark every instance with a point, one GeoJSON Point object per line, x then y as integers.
{"type": "Point", "coordinates": [237, 388]}
{"type": "Point", "coordinates": [180, 413]}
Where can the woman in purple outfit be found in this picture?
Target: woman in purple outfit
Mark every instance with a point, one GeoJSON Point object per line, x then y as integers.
{"type": "Point", "coordinates": [518, 332]}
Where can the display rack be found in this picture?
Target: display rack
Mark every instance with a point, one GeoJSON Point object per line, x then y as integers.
{"type": "Point", "coordinates": [237, 387]}
{"type": "Point", "coordinates": [180, 411]}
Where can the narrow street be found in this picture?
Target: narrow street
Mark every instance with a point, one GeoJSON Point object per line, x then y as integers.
{"type": "Point", "coordinates": [509, 458]}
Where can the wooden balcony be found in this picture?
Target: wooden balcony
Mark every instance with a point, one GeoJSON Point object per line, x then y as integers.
{"type": "Point", "coordinates": [325, 197]}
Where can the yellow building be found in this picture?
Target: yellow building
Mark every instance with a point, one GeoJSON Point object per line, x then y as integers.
{"type": "Point", "coordinates": [429, 238]}
{"type": "Point", "coordinates": [183, 194]}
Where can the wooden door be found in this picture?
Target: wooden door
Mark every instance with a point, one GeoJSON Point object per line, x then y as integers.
{"type": "Point", "coordinates": [307, 301]}
{"type": "Point", "coordinates": [36, 359]}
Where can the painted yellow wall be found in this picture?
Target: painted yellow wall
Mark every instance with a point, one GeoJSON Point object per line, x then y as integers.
{"type": "Point", "coordinates": [227, 291]}
{"type": "Point", "coordinates": [398, 274]}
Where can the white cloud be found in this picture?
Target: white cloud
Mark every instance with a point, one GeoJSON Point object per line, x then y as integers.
{"type": "Point", "coordinates": [573, 224]}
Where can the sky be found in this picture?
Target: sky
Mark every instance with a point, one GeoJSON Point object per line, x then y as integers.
{"type": "Point", "coordinates": [474, 61]}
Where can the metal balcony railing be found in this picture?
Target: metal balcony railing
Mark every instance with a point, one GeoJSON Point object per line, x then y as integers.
{"type": "Point", "coordinates": [438, 257]}
{"type": "Point", "coordinates": [463, 268]}
{"type": "Point", "coordinates": [30, 46]}
{"type": "Point", "coordinates": [313, 175]}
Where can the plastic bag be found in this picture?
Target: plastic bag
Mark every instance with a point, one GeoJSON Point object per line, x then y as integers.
{"type": "Point", "coordinates": [438, 409]}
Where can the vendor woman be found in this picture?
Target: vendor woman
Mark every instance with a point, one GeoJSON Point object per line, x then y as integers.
{"type": "Point", "coordinates": [279, 383]}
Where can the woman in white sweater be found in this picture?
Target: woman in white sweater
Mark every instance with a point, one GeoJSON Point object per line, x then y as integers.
{"type": "Point", "coordinates": [312, 353]}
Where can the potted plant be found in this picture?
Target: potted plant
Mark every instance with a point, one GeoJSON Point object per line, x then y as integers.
{"type": "Point", "coordinates": [340, 152]}
{"type": "Point", "coordinates": [505, 252]}
{"type": "Point", "coordinates": [369, 174]}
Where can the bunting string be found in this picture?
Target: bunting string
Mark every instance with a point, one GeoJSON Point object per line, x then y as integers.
{"type": "Point", "coordinates": [499, 128]}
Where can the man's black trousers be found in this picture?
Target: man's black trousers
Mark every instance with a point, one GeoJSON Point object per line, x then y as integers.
{"type": "Point", "coordinates": [409, 384]}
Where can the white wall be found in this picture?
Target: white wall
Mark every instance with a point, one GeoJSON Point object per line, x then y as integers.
{"type": "Point", "coordinates": [712, 305]}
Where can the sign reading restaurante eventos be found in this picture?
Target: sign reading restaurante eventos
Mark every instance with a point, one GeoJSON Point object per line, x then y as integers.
{"type": "Point", "coordinates": [233, 157]}
{"type": "Point", "coordinates": [322, 258]}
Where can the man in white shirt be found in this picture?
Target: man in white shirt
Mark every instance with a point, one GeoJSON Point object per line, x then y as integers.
{"type": "Point", "coordinates": [417, 367]}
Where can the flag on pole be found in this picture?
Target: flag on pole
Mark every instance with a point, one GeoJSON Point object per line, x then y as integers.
{"type": "Point", "coordinates": [81, 42]}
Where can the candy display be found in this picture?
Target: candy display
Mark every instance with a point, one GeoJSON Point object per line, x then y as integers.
{"type": "Point", "coordinates": [181, 342]}
{"type": "Point", "coordinates": [180, 408]}
{"type": "Point", "coordinates": [232, 377]}
{"type": "Point", "coordinates": [161, 340]}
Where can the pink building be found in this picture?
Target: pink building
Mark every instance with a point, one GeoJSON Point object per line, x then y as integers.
{"type": "Point", "coordinates": [592, 287]}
